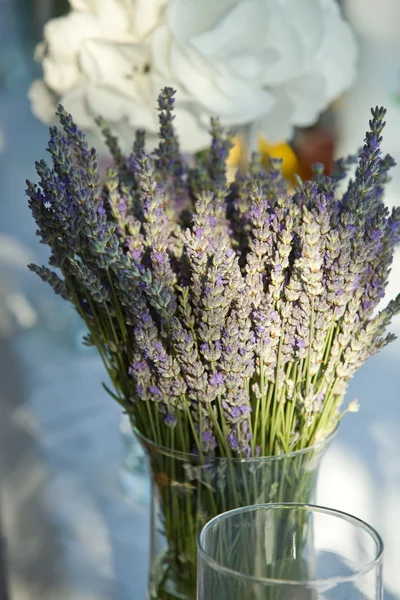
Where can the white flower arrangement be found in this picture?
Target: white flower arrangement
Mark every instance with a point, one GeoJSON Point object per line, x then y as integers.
{"type": "Point", "coordinates": [273, 63]}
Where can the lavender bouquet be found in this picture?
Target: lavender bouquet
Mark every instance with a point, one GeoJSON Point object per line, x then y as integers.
{"type": "Point", "coordinates": [229, 317]}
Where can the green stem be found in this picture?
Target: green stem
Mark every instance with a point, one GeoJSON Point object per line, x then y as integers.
{"type": "Point", "coordinates": [125, 405]}
{"type": "Point", "coordinates": [308, 374]}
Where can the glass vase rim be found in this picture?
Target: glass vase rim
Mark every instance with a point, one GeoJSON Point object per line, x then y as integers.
{"type": "Point", "coordinates": [321, 583]}
{"type": "Point", "coordinates": [188, 456]}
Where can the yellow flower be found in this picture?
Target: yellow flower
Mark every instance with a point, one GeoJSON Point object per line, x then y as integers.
{"type": "Point", "coordinates": [238, 156]}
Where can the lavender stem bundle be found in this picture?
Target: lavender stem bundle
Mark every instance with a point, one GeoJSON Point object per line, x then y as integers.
{"type": "Point", "coordinates": [230, 318]}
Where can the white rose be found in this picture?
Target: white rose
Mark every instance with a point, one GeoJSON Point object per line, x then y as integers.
{"type": "Point", "coordinates": [97, 62]}
{"type": "Point", "coordinates": [277, 62]}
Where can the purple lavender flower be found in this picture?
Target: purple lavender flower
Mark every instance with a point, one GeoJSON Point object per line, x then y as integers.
{"type": "Point", "coordinates": [159, 257]}
{"type": "Point", "coordinates": [208, 437]}
{"type": "Point", "coordinates": [199, 232]}
{"type": "Point", "coordinates": [153, 389]}
{"type": "Point", "coordinates": [233, 441]}
{"type": "Point", "coordinates": [170, 419]}
{"type": "Point", "coordinates": [137, 367]}
{"type": "Point", "coordinates": [217, 379]}
{"type": "Point", "coordinates": [256, 212]}
{"type": "Point", "coordinates": [235, 412]}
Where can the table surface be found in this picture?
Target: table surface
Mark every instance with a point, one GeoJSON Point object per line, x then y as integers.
{"type": "Point", "coordinates": [71, 534]}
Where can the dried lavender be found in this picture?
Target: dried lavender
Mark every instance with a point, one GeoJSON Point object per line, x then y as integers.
{"type": "Point", "coordinates": [229, 318]}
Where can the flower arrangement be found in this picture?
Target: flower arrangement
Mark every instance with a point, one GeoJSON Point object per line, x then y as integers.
{"type": "Point", "coordinates": [273, 64]}
{"type": "Point", "coordinates": [236, 314]}
{"type": "Point", "coordinates": [229, 317]}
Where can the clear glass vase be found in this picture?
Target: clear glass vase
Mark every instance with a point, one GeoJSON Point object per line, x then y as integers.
{"type": "Point", "coordinates": [188, 491]}
{"type": "Point", "coordinates": [134, 473]}
{"type": "Point", "coordinates": [289, 552]}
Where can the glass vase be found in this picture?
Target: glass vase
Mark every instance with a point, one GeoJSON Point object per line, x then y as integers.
{"type": "Point", "coordinates": [134, 473]}
{"type": "Point", "coordinates": [188, 491]}
{"type": "Point", "coordinates": [289, 552]}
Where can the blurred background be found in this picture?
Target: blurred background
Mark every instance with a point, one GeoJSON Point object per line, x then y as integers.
{"type": "Point", "coordinates": [68, 530]}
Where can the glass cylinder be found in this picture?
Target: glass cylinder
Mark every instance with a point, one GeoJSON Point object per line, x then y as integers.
{"type": "Point", "coordinates": [289, 552]}
{"type": "Point", "coordinates": [188, 491]}
{"type": "Point", "coordinates": [134, 473]}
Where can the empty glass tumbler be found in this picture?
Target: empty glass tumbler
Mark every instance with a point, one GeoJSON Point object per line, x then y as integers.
{"type": "Point", "coordinates": [289, 552]}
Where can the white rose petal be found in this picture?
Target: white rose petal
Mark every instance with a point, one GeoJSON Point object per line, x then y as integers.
{"type": "Point", "coordinates": [65, 35]}
{"type": "Point", "coordinates": [104, 61]}
{"type": "Point", "coordinates": [60, 76]}
{"type": "Point", "coordinates": [308, 96]}
{"type": "Point", "coordinates": [42, 100]}
{"type": "Point", "coordinates": [107, 102]}
{"type": "Point", "coordinates": [232, 98]}
{"type": "Point", "coordinates": [146, 16]}
{"type": "Point", "coordinates": [160, 52]}
{"type": "Point", "coordinates": [75, 102]}
{"type": "Point", "coordinates": [190, 129]}
{"type": "Point", "coordinates": [186, 18]}
{"type": "Point", "coordinates": [337, 61]}
{"type": "Point", "coordinates": [250, 65]}
{"type": "Point", "coordinates": [40, 51]}
{"type": "Point", "coordinates": [308, 22]}
{"type": "Point", "coordinates": [81, 4]}
{"type": "Point", "coordinates": [288, 47]}
{"type": "Point", "coordinates": [112, 16]}
{"type": "Point", "coordinates": [243, 29]}
{"type": "Point", "coordinates": [277, 123]}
